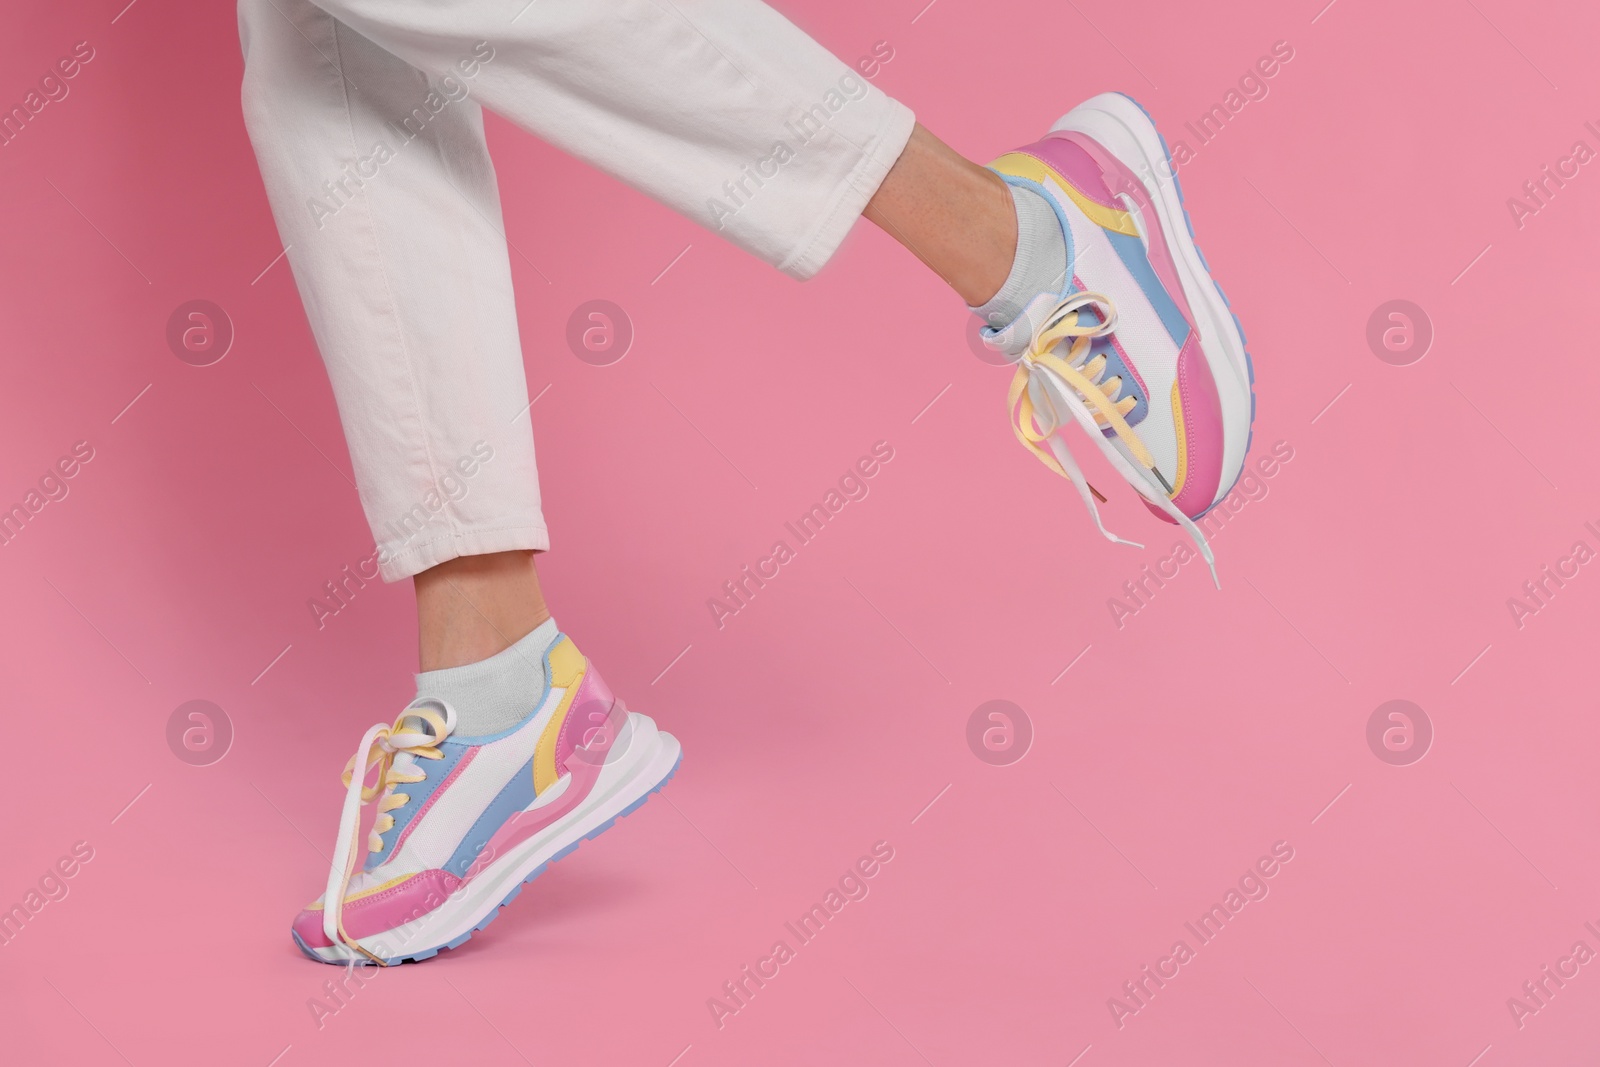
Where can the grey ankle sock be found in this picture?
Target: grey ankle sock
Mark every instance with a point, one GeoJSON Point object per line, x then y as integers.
{"type": "Point", "coordinates": [493, 694]}
{"type": "Point", "coordinates": [1040, 264]}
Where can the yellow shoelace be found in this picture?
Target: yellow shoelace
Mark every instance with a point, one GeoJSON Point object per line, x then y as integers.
{"type": "Point", "coordinates": [1083, 375]}
{"type": "Point", "coordinates": [1050, 388]}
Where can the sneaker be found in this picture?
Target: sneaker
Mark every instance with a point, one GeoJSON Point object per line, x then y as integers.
{"type": "Point", "coordinates": [1139, 348]}
{"type": "Point", "coordinates": [463, 822]}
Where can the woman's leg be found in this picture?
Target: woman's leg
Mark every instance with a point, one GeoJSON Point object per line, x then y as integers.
{"type": "Point", "coordinates": [951, 213]}
{"type": "Point", "coordinates": [372, 152]}
{"type": "Point", "coordinates": [472, 607]}
{"type": "Point", "coordinates": [385, 197]}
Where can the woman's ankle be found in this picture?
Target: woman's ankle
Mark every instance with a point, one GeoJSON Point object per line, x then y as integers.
{"type": "Point", "coordinates": [954, 215]}
{"type": "Point", "coordinates": [472, 607]}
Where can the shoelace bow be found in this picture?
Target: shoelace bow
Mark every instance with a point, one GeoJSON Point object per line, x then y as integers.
{"type": "Point", "coordinates": [378, 749]}
{"type": "Point", "coordinates": [1046, 383]}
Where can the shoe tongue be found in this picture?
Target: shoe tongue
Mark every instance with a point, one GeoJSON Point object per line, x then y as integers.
{"type": "Point", "coordinates": [1014, 339]}
{"type": "Point", "coordinates": [422, 725]}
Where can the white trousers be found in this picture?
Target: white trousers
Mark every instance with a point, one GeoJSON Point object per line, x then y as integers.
{"type": "Point", "coordinates": [366, 121]}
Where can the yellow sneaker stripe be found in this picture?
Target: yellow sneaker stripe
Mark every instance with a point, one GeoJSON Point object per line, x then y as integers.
{"type": "Point", "coordinates": [1183, 446]}
{"type": "Point", "coordinates": [567, 668]}
{"type": "Point", "coordinates": [1022, 165]}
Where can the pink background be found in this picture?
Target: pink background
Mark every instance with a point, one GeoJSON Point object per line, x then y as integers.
{"type": "Point", "coordinates": [826, 715]}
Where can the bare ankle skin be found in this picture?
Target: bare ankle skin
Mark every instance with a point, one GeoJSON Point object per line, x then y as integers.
{"type": "Point", "coordinates": [472, 607]}
{"type": "Point", "coordinates": [951, 213]}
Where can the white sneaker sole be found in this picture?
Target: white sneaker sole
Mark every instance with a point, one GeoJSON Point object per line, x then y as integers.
{"type": "Point", "coordinates": [648, 759]}
{"type": "Point", "coordinates": [1123, 128]}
